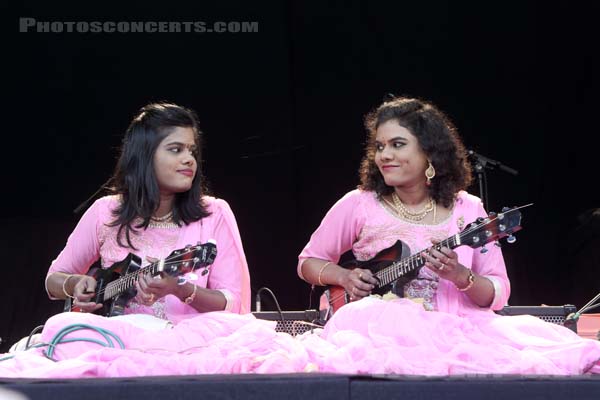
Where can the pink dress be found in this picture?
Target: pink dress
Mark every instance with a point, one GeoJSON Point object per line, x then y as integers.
{"type": "Point", "coordinates": [360, 222]}
{"type": "Point", "coordinates": [458, 337]}
{"type": "Point", "coordinates": [93, 239]}
{"type": "Point", "coordinates": [370, 336]}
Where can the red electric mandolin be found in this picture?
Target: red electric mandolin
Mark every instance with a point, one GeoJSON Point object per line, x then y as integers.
{"type": "Point", "coordinates": [396, 265]}
{"type": "Point", "coordinates": [115, 285]}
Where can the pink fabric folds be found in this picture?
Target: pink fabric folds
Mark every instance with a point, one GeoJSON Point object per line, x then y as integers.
{"type": "Point", "coordinates": [394, 337]}
{"type": "Point", "coordinates": [399, 336]}
{"type": "Point", "coordinates": [210, 343]}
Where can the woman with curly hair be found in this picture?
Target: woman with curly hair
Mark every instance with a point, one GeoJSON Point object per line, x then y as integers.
{"type": "Point", "coordinates": [414, 175]}
{"type": "Point", "coordinates": [438, 319]}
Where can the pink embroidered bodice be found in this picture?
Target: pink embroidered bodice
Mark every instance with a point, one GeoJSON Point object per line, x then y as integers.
{"type": "Point", "coordinates": [359, 222]}
{"type": "Point", "coordinates": [92, 239]}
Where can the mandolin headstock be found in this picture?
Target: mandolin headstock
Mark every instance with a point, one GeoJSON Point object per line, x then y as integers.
{"type": "Point", "coordinates": [493, 228]}
{"type": "Point", "coordinates": [189, 259]}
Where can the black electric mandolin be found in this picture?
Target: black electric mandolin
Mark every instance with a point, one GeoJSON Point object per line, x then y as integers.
{"type": "Point", "coordinates": [115, 285]}
{"type": "Point", "coordinates": [396, 265]}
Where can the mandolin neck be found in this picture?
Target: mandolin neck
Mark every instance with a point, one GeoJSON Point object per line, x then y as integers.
{"type": "Point", "coordinates": [406, 265]}
{"type": "Point", "coordinates": [127, 281]}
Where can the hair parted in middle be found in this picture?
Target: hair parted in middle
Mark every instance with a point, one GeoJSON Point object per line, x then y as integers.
{"type": "Point", "coordinates": [437, 137]}
{"type": "Point", "coordinates": [134, 178]}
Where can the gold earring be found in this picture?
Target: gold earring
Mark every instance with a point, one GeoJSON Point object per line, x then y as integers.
{"type": "Point", "coordinates": [429, 173]}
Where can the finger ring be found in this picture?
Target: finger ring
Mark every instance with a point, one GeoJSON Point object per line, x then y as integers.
{"type": "Point", "coordinates": [441, 268]}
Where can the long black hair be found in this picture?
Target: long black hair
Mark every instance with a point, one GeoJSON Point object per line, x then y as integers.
{"type": "Point", "coordinates": [437, 137]}
{"type": "Point", "coordinates": [134, 178]}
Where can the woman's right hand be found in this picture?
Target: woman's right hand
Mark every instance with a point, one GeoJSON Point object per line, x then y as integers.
{"type": "Point", "coordinates": [83, 291]}
{"type": "Point", "coordinates": [358, 283]}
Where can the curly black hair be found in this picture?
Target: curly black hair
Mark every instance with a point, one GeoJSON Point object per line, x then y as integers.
{"type": "Point", "coordinates": [437, 137]}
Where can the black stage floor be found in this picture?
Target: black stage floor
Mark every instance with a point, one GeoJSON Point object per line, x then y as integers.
{"type": "Point", "coordinates": [313, 386]}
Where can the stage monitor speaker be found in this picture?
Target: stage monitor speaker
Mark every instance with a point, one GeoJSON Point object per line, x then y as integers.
{"type": "Point", "coordinates": [554, 314]}
{"type": "Point", "coordinates": [292, 322]}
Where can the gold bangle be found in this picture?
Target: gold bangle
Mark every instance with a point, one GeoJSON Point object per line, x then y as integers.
{"type": "Point", "coordinates": [64, 287]}
{"type": "Point", "coordinates": [471, 280]}
{"type": "Point", "coordinates": [188, 300]}
{"type": "Point", "coordinates": [321, 272]}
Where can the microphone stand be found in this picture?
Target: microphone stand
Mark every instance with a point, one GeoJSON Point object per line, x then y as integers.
{"type": "Point", "coordinates": [104, 186]}
{"type": "Point", "coordinates": [590, 305]}
{"type": "Point", "coordinates": [480, 164]}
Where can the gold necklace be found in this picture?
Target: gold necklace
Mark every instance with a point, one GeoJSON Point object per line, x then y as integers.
{"type": "Point", "coordinates": [416, 216]}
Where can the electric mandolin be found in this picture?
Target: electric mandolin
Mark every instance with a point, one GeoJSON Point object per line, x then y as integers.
{"type": "Point", "coordinates": [395, 265]}
{"type": "Point", "coordinates": [115, 286]}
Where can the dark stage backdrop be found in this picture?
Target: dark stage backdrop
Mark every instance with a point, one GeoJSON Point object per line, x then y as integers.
{"type": "Point", "coordinates": [282, 110]}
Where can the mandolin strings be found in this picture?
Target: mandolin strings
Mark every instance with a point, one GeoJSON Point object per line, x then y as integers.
{"type": "Point", "coordinates": [390, 273]}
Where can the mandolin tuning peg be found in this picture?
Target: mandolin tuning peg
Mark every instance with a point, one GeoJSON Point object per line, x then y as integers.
{"type": "Point", "coordinates": [192, 276]}
{"type": "Point", "coordinates": [497, 243]}
{"type": "Point", "coordinates": [483, 250]}
{"type": "Point", "coordinates": [511, 239]}
{"type": "Point", "coordinates": [505, 209]}
{"type": "Point", "coordinates": [491, 214]}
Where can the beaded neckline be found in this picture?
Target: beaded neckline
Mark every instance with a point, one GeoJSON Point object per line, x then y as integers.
{"type": "Point", "coordinates": [166, 221]}
{"type": "Point", "coordinates": [167, 217]}
{"type": "Point", "coordinates": [165, 224]}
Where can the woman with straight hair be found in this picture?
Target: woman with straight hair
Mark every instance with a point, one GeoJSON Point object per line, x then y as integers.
{"type": "Point", "coordinates": [157, 205]}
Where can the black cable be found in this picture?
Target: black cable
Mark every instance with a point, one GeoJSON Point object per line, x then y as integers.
{"type": "Point", "coordinates": [485, 186]}
{"type": "Point", "coordinates": [102, 187]}
{"type": "Point", "coordinates": [310, 296]}
{"type": "Point", "coordinates": [33, 332]}
{"type": "Point", "coordinates": [274, 298]}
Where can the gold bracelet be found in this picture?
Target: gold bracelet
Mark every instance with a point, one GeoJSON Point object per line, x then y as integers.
{"type": "Point", "coordinates": [471, 280]}
{"type": "Point", "coordinates": [64, 287]}
{"type": "Point", "coordinates": [191, 297]}
{"type": "Point", "coordinates": [321, 272]}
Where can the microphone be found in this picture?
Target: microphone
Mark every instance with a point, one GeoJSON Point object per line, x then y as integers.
{"type": "Point", "coordinates": [485, 161]}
